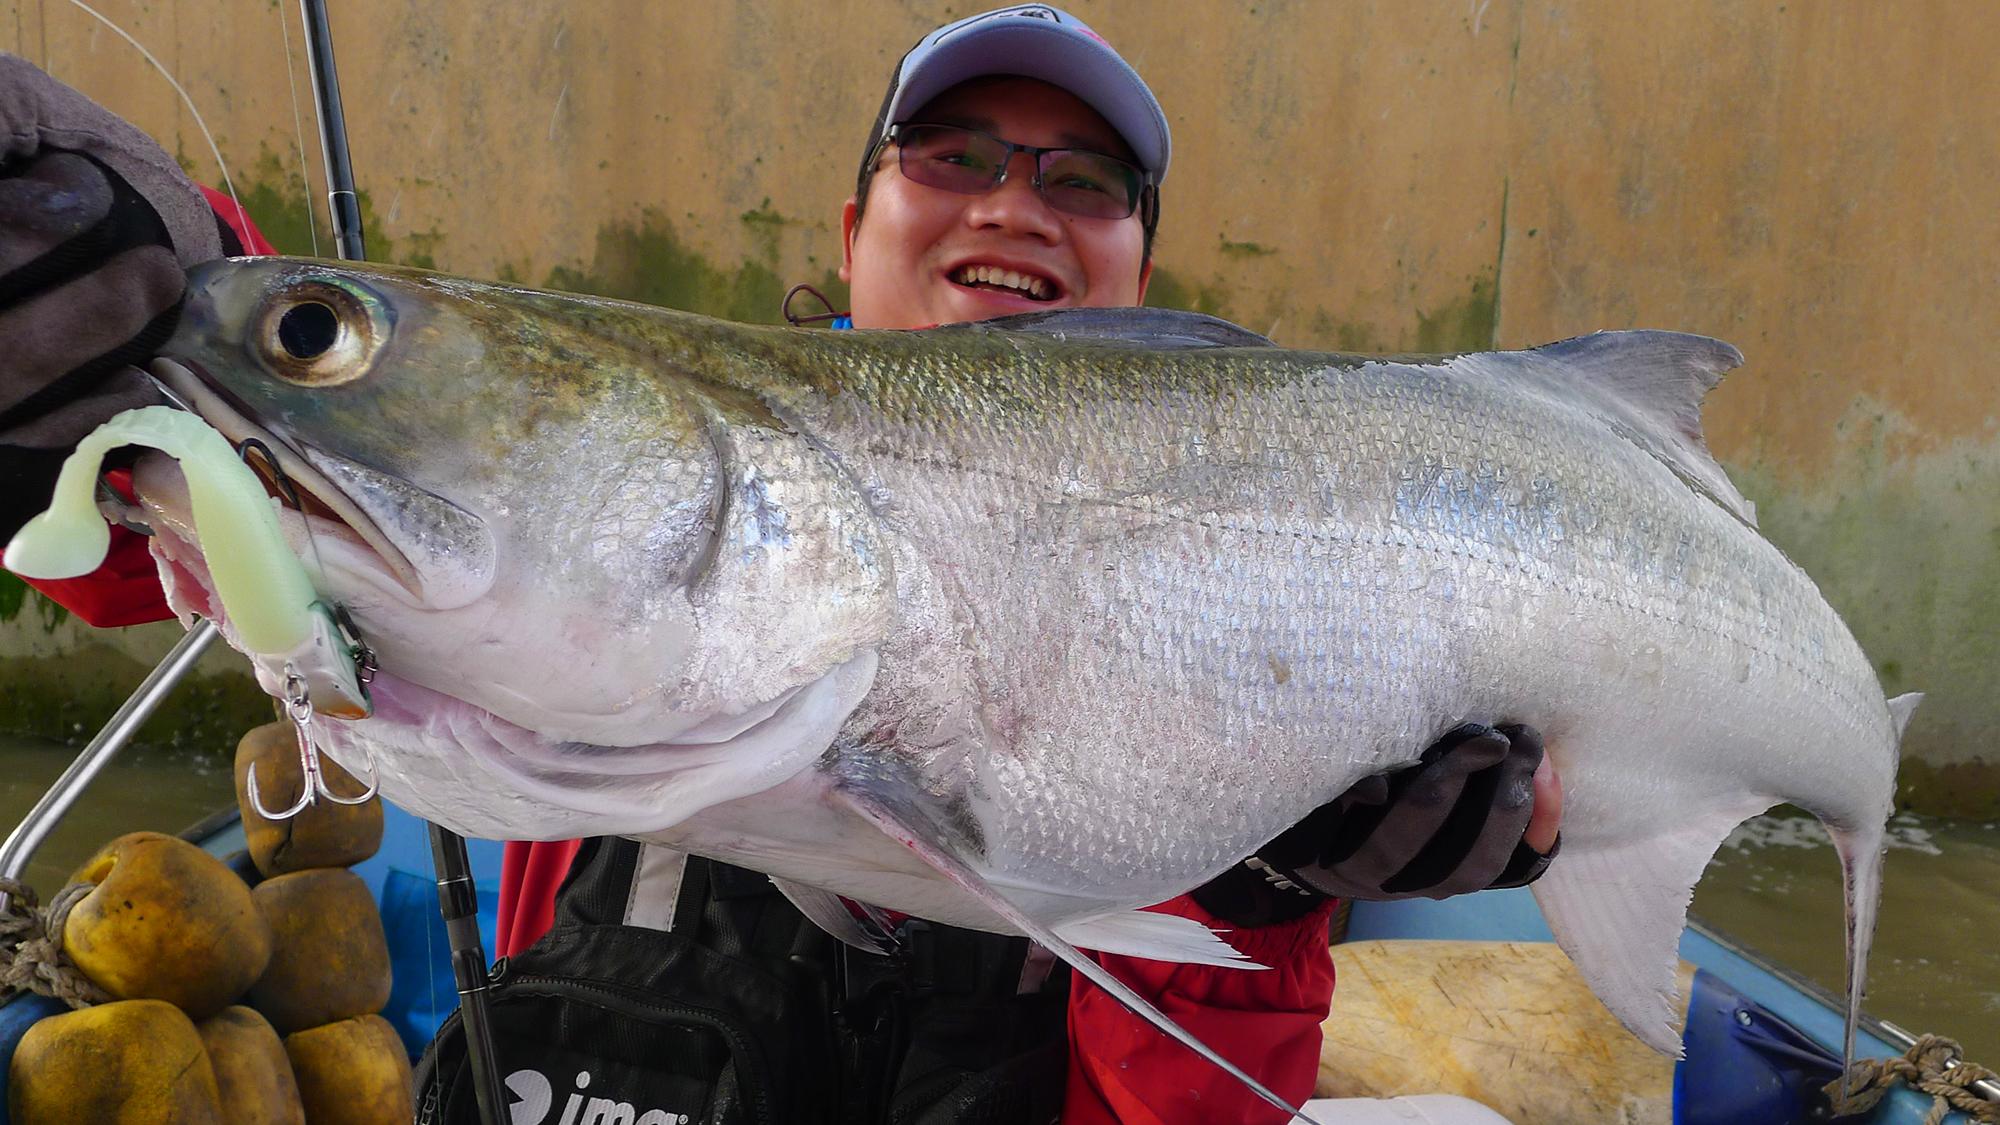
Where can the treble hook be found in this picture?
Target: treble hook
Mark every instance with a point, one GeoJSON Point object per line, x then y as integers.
{"type": "Point", "coordinates": [299, 709]}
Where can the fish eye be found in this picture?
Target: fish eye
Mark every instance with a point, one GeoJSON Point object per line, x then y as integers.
{"type": "Point", "coordinates": [320, 333]}
{"type": "Point", "coordinates": [308, 330]}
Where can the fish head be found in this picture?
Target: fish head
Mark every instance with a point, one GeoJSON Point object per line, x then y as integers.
{"type": "Point", "coordinates": [523, 500]}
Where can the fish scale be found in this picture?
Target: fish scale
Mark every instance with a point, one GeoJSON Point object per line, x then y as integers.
{"type": "Point", "coordinates": [1022, 626]}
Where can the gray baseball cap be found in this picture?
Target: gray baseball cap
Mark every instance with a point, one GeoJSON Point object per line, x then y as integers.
{"type": "Point", "coordinates": [1034, 41]}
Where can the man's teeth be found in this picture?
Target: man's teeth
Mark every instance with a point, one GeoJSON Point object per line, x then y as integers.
{"type": "Point", "coordinates": [1038, 288]}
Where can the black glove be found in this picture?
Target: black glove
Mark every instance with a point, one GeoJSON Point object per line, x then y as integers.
{"type": "Point", "coordinates": [1452, 823]}
{"type": "Point", "coordinates": [97, 226]}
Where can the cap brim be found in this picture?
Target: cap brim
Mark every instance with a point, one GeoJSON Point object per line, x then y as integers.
{"type": "Point", "coordinates": [1062, 57]}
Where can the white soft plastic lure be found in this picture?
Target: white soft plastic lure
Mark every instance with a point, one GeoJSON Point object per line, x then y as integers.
{"type": "Point", "coordinates": [273, 612]}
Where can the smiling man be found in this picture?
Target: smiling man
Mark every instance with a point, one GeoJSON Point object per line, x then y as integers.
{"type": "Point", "coordinates": [1002, 195]}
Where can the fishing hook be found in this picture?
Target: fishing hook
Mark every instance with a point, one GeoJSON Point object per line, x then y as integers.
{"type": "Point", "coordinates": [283, 481]}
{"type": "Point", "coordinates": [298, 708]}
{"type": "Point", "coordinates": [290, 494]}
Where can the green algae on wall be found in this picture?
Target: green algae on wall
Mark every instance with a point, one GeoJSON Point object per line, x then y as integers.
{"type": "Point", "coordinates": [68, 698]}
{"type": "Point", "coordinates": [22, 608]}
{"type": "Point", "coordinates": [1167, 290]}
{"type": "Point", "coordinates": [649, 262]}
{"type": "Point", "coordinates": [1908, 551]}
{"type": "Point", "coordinates": [13, 595]}
{"type": "Point", "coordinates": [1967, 790]}
{"type": "Point", "coordinates": [277, 204]}
{"type": "Point", "coordinates": [1469, 324]}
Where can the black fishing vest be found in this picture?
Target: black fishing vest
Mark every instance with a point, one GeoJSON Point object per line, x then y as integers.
{"type": "Point", "coordinates": [673, 990]}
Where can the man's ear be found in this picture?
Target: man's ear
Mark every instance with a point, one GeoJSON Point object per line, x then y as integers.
{"type": "Point", "coordinates": [849, 214]}
{"type": "Point", "coordinates": [1145, 275]}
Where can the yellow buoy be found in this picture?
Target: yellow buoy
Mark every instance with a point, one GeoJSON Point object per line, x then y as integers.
{"type": "Point", "coordinates": [352, 1072]}
{"type": "Point", "coordinates": [130, 1062]}
{"type": "Point", "coordinates": [166, 921]}
{"type": "Point", "coordinates": [252, 1072]}
{"type": "Point", "coordinates": [323, 834]}
{"type": "Point", "coordinates": [329, 959]}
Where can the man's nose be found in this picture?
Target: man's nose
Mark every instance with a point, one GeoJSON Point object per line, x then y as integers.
{"type": "Point", "coordinates": [1015, 206]}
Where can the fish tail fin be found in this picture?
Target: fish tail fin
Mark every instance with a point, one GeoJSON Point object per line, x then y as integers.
{"type": "Point", "coordinates": [909, 826]}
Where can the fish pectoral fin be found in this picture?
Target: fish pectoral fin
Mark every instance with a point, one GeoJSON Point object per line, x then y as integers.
{"type": "Point", "coordinates": [1160, 937]}
{"type": "Point", "coordinates": [910, 827]}
{"type": "Point", "coordinates": [1618, 912]}
{"type": "Point", "coordinates": [826, 910]}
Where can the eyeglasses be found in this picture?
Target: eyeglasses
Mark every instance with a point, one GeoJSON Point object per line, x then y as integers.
{"type": "Point", "coordinates": [1075, 181]}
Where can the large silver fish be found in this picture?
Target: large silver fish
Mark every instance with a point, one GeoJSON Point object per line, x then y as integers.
{"type": "Point", "coordinates": [1025, 625]}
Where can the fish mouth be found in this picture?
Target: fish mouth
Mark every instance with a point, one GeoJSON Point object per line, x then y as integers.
{"type": "Point", "coordinates": [287, 475]}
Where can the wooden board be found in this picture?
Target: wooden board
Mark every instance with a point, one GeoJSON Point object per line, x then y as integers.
{"type": "Point", "coordinates": [1508, 1024]}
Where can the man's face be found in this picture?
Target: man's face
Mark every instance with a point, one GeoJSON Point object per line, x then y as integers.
{"type": "Point", "coordinates": [918, 255]}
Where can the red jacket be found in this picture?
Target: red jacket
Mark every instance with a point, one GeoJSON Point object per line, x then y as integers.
{"type": "Point", "coordinates": [1121, 1070]}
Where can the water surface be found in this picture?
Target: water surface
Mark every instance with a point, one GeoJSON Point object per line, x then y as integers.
{"type": "Point", "coordinates": [164, 789]}
{"type": "Point", "coordinates": [1775, 887]}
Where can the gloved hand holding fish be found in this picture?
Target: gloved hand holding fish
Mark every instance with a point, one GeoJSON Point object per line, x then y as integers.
{"type": "Point", "coordinates": [1026, 624]}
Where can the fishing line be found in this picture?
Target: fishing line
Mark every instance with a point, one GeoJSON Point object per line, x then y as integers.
{"type": "Point", "coordinates": [228, 182]}
{"type": "Point", "coordinates": [298, 129]}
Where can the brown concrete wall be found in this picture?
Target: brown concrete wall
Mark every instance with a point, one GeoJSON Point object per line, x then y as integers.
{"type": "Point", "coordinates": [1812, 181]}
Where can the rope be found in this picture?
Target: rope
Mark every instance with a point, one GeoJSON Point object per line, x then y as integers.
{"type": "Point", "coordinates": [1933, 1065]}
{"type": "Point", "coordinates": [31, 953]}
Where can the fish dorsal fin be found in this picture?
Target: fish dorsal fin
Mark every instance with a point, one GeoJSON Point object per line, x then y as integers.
{"type": "Point", "coordinates": [1655, 381]}
{"type": "Point", "coordinates": [1165, 329]}
{"type": "Point", "coordinates": [1901, 708]}
{"type": "Point", "coordinates": [905, 823]}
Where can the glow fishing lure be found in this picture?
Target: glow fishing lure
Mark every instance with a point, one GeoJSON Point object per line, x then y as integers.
{"type": "Point", "coordinates": [291, 635]}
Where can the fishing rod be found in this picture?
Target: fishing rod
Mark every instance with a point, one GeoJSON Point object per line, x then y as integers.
{"type": "Point", "coordinates": [458, 900]}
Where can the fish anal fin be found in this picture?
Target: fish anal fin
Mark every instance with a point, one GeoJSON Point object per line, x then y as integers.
{"type": "Point", "coordinates": [925, 841]}
{"type": "Point", "coordinates": [1618, 912]}
{"type": "Point", "coordinates": [825, 910]}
